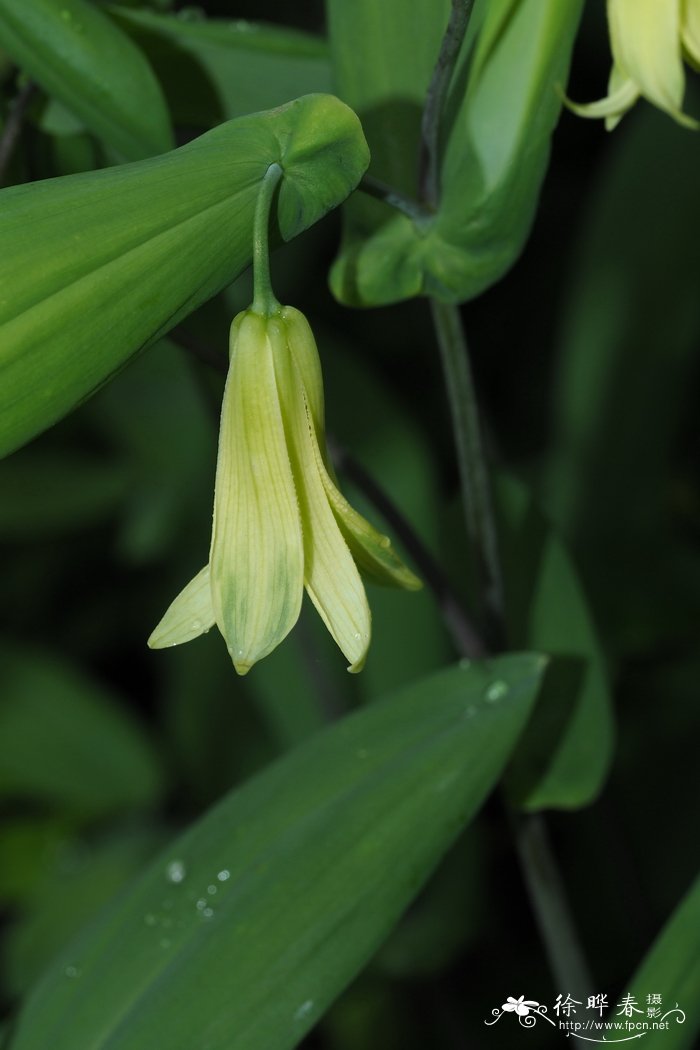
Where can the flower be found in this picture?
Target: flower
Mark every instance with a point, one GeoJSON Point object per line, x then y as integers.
{"type": "Point", "coordinates": [280, 522]}
{"type": "Point", "coordinates": [520, 1006]}
{"type": "Point", "coordinates": [648, 39]}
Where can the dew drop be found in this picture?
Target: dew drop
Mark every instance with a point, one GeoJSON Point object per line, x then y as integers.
{"type": "Point", "coordinates": [207, 913]}
{"type": "Point", "coordinates": [304, 1010]}
{"type": "Point", "coordinates": [72, 971]}
{"type": "Point", "coordinates": [150, 919]}
{"type": "Point", "coordinates": [211, 890]}
{"type": "Point", "coordinates": [196, 625]}
{"type": "Point", "coordinates": [201, 904]}
{"type": "Point", "coordinates": [496, 691]}
{"type": "Point", "coordinates": [175, 871]}
{"type": "Point", "coordinates": [224, 875]}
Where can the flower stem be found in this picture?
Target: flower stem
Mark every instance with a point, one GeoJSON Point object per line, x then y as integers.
{"type": "Point", "coordinates": [264, 300]}
{"type": "Point", "coordinates": [376, 188]}
{"type": "Point", "coordinates": [429, 160]}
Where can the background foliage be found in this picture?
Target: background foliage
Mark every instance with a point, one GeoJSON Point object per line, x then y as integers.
{"type": "Point", "coordinates": [585, 361]}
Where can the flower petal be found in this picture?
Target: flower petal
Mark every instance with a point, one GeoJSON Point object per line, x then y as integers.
{"type": "Point", "coordinates": [188, 616]}
{"type": "Point", "coordinates": [257, 559]}
{"type": "Point", "coordinates": [330, 574]}
{"type": "Point", "coordinates": [621, 97]}
{"type": "Point", "coordinates": [304, 351]}
{"type": "Point", "coordinates": [645, 37]}
{"type": "Point", "coordinates": [690, 33]}
{"type": "Point", "coordinates": [371, 550]}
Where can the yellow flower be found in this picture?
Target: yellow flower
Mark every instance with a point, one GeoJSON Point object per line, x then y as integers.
{"type": "Point", "coordinates": [280, 522]}
{"type": "Point", "coordinates": [648, 39]}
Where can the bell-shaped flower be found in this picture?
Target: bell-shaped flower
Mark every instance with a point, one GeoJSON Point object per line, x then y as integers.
{"type": "Point", "coordinates": [648, 39]}
{"type": "Point", "coordinates": [280, 522]}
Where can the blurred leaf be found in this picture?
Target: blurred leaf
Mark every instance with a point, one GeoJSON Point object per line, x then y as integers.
{"type": "Point", "coordinates": [672, 970]}
{"type": "Point", "coordinates": [76, 54]}
{"type": "Point", "coordinates": [628, 350]}
{"type": "Point", "coordinates": [285, 889]}
{"type": "Point", "coordinates": [157, 419]}
{"type": "Point", "coordinates": [503, 106]}
{"type": "Point", "coordinates": [65, 743]}
{"type": "Point", "coordinates": [565, 753]}
{"type": "Point", "coordinates": [213, 70]}
{"type": "Point", "coordinates": [73, 888]}
{"type": "Point", "coordinates": [45, 491]}
{"type": "Point", "coordinates": [96, 266]}
{"type": "Point", "coordinates": [29, 846]}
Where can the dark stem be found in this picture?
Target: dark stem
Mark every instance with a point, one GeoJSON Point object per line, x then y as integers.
{"type": "Point", "coordinates": [376, 188]}
{"type": "Point", "coordinates": [465, 638]}
{"type": "Point", "coordinates": [550, 906]}
{"type": "Point", "coordinates": [429, 157]}
{"type": "Point", "coordinates": [13, 127]}
{"type": "Point", "coordinates": [473, 473]}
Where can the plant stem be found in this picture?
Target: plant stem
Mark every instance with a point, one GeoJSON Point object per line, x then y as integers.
{"type": "Point", "coordinates": [376, 188]}
{"type": "Point", "coordinates": [473, 473]}
{"type": "Point", "coordinates": [13, 126]}
{"type": "Point", "coordinates": [550, 906]}
{"type": "Point", "coordinates": [429, 159]}
{"type": "Point", "coordinates": [264, 300]}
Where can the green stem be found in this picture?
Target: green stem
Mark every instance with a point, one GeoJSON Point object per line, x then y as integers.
{"type": "Point", "coordinates": [473, 473]}
{"type": "Point", "coordinates": [264, 300]}
{"type": "Point", "coordinates": [376, 188]}
{"type": "Point", "coordinates": [551, 908]}
{"type": "Point", "coordinates": [429, 160]}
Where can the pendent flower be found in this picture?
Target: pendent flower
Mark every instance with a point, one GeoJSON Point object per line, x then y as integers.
{"type": "Point", "coordinates": [649, 39]}
{"type": "Point", "coordinates": [280, 522]}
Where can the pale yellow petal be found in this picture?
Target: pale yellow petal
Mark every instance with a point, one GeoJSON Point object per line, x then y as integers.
{"type": "Point", "coordinates": [372, 551]}
{"type": "Point", "coordinates": [304, 351]}
{"type": "Point", "coordinates": [257, 559]}
{"type": "Point", "coordinates": [190, 615]}
{"type": "Point", "coordinates": [691, 30]}
{"type": "Point", "coordinates": [645, 37]}
{"type": "Point", "coordinates": [613, 106]}
{"type": "Point", "coordinates": [330, 574]}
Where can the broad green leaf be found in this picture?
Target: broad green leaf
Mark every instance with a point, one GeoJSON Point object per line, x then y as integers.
{"type": "Point", "coordinates": [281, 893]}
{"type": "Point", "coordinates": [503, 104]}
{"type": "Point", "coordinates": [565, 753]}
{"type": "Point", "coordinates": [623, 396]}
{"type": "Point", "coordinates": [72, 888]}
{"type": "Point", "coordinates": [66, 744]}
{"type": "Point", "coordinates": [214, 69]}
{"type": "Point", "coordinates": [94, 267]}
{"type": "Point", "coordinates": [671, 969]}
{"type": "Point", "coordinates": [79, 56]}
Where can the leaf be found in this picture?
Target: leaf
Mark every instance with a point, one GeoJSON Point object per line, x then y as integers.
{"type": "Point", "coordinates": [81, 58]}
{"type": "Point", "coordinates": [672, 970]}
{"type": "Point", "coordinates": [71, 891]}
{"type": "Point", "coordinates": [282, 892]}
{"type": "Point", "coordinates": [509, 76]}
{"type": "Point", "coordinates": [214, 69]}
{"type": "Point", "coordinates": [64, 743]}
{"type": "Point", "coordinates": [48, 491]}
{"type": "Point", "coordinates": [94, 267]}
{"type": "Point", "coordinates": [564, 755]}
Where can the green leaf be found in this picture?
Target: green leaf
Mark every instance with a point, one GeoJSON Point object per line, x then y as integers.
{"type": "Point", "coordinates": [48, 491]}
{"type": "Point", "coordinates": [672, 970]}
{"type": "Point", "coordinates": [79, 56]}
{"type": "Point", "coordinates": [72, 888]}
{"type": "Point", "coordinates": [214, 69]}
{"type": "Point", "coordinates": [282, 892]}
{"type": "Point", "coordinates": [94, 267]}
{"type": "Point", "coordinates": [509, 77]}
{"type": "Point", "coordinates": [65, 743]}
{"type": "Point", "coordinates": [564, 755]}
